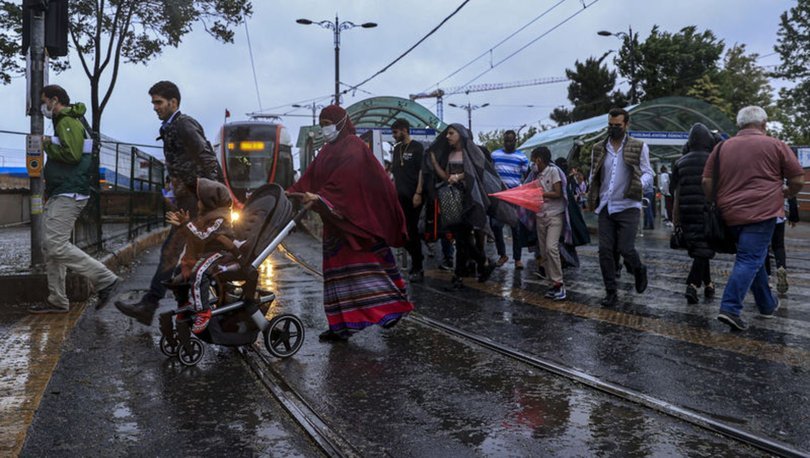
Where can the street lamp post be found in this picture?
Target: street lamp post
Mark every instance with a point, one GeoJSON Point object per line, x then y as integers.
{"type": "Point", "coordinates": [337, 27]}
{"type": "Point", "coordinates": [314, 108]}
{"type": "Point", "coordinates": [469, 108]}
{"type": "Point", "coordinates": [632, 50]}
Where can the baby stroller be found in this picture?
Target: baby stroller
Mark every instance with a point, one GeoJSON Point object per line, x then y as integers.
{"type": "Point", "coordinates": [265, 220]}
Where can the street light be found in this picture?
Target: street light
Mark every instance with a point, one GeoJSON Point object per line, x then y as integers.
{"type": "Point", "coordinates": [314, 107]}
{"type": "Point", "coordinates": [470, 109]}
{"type": "Point", "coordinates": [632, 50]}
{"type": "Point", "coordinates": [337, 27]}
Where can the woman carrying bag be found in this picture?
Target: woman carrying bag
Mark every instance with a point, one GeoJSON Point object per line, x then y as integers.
{"type": "Point", "coordinates": [688, 215]}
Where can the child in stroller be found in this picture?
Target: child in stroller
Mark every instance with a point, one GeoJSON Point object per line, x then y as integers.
{"type": "Point", "coordinates": [231, 275]}
{"type": "Point", "coordinates": [209, 249]}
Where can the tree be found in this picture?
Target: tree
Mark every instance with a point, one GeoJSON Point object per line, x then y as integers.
{"type": "Point", "coordinates": [589, 91]}
{"type": "Point", "coordinates": [793, 46]}
{"type": "Point", "coordinates": [742, 82]}
{"type": "Point", "coordinates": [709, 91]}
{"type": "Point", "coordinates": [669, 64]}
{"type": "Point", "coordinates": [493, 140]}
{"type": "Point", "coordinates": [106, 32]}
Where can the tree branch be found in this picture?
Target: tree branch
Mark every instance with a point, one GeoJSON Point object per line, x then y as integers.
{"type": "Point", "coordinates": [75, 40]}
{"type": "Point", "coordinates": [117, 62]}
{"type": "Point", "coordinates": [112, 37]}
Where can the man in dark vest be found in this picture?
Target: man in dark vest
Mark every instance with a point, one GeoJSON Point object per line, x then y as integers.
{"type": "Point", "coordinates": [621, 167]}
{"type": "Point", "coordinates": [188, 156]}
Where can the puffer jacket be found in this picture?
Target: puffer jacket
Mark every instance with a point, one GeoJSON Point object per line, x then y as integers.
{"type": "Point", "coordinates": [687, 176]}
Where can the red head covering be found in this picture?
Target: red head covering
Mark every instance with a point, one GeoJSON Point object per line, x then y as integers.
{"type": "Point", "coordinates": [340, 119]}
{"type": "Point", "coordinates": [353, 181]}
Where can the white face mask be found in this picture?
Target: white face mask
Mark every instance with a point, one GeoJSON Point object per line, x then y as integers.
{"type": "Point", "coordinates": [47, 112]}
{"type": "Point", "coordinates": [330, 133]}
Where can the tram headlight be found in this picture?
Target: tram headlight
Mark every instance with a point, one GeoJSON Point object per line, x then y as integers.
{"type": "Point", "coordinates": [234, 216]}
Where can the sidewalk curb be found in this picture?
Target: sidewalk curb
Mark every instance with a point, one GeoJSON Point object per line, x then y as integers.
{"type": "Point", "coordinates": [33, 287]}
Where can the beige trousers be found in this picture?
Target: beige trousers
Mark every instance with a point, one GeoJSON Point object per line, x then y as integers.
{"type": "Point", "coordinates": [61, 213]}
{"type": "Point", "coordinates": [549, 229]}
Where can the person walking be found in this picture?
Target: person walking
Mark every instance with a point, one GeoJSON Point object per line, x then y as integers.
{"type": "Point", "coordinates": [664, 185]}
{"type": "Point", "coordinates": [512, 166]}
{"type": "Point", "coordinates": [349, 189]}
{"type": "Point", "coordinates": [67, 190]}
{"type": "Point", "coordinates": [687, 174]}
{"type": "Point", "coordinates": [750, 196]}
{"type": "Point", "coordinates": [406, 167]}
{"type": "Point", "coordinates": [454, 160]}
{"type": "Point", "coordinates": [551, 220]}
{"type": "Point", "coordinates": [188, 156]}
{"type": "Point", "coordinates": [622, 168]}
{"type": "Point", "coordinates": [778, 245]}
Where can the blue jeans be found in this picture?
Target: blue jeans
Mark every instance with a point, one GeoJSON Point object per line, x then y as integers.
{"type": "Point", "coordinates": [749, 269]}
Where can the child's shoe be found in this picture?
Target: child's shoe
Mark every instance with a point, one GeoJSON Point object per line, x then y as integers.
{"type": "Point", "coordinates": [201, 320]}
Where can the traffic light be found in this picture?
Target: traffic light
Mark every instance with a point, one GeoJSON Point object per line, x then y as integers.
{"type": "Point", "coordinates": [56, 25]}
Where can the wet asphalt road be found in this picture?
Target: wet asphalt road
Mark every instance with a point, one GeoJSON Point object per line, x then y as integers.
{"type": "Point", "coordinates": [415, 391]}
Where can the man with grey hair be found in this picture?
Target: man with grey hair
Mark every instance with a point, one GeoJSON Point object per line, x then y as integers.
{"type": "Point", "coordinates": [750, 195]}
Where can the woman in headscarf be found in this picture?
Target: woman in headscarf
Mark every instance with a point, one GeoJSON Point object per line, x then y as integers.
{"type": "Point", "coordinates": [685, 185]}
{"type": "Point", "coordinates": [362, 220]}
{"type": "Point", "coordinates": [454, 160]}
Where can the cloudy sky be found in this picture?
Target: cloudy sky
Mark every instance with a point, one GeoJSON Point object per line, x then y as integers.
{"type": "Point", "coordinates": [295, 63]}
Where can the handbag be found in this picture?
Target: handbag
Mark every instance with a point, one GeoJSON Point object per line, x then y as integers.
{"type": "Point", "coordinates": [718, 236]}
{"type": "Point", "coordinates": [451, 204]}
{"type": "Point", "coordinates": [677, 240]}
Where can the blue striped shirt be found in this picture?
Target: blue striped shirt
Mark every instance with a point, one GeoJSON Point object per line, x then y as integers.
{"type": "Point", "coordinates": [511, 167]}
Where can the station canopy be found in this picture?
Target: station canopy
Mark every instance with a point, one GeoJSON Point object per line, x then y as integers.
{"type": "Point", "coordinates": [380, 112]}
{"type": "Point", "coordinates": [662, 123]}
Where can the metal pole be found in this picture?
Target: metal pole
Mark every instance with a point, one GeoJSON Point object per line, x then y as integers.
{"type": "Point", "coordinates": [337, 62]}
{"type": "Point", "coordinates": [469, 117]}
{"type": "Point", "coordinates": [313, 113]}
{"type": "Point", "coordinates": [632, 68]}
{"type": "Point", "coordinates": [37, 64]}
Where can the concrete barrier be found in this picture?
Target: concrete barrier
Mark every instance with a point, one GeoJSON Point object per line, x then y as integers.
{"type": "Point", "coordinates": [33, 287]}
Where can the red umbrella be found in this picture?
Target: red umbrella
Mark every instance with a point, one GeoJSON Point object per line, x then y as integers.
{"type": "Point", "coordinates": [529, 196]}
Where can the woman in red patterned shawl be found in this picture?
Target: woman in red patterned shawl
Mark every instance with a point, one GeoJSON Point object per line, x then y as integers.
{"type": "Point", "coordinates": [362, 220]}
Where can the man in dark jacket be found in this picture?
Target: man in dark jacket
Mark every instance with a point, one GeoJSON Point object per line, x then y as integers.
{"type": "Point", "coordinates": [685, 185]}
{"type": "Point", "coordinates": [188, 156]}
{"type": "Point", "coordinates": [67, 188]}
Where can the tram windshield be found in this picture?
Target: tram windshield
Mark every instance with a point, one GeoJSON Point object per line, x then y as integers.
{"type": "Point", "coordinates": [249, 152]}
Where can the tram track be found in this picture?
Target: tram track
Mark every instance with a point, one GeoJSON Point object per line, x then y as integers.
{"type": "Point", "coordinates": [686, 415]}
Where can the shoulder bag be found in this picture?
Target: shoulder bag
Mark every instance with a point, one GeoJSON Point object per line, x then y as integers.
{"type": "Point", "coordinates": [718, 236]}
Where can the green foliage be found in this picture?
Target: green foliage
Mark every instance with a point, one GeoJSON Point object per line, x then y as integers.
{"type": "Point", "coordinates": [706, 89]}
{"type": "Point", "coordinates": [742, 82]}
{"type": "Point", "coordinates": [589, 92]}
{"type": "Point", "coordinates": [105, 32]}
{"type": "Point", "coordinates": [493, 140]}
{"type": "Point", "coordinates": [793, 46]}
{"type": "Point", "coordinates": [669, 64]}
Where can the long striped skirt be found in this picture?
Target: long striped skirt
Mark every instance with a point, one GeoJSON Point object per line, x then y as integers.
{"type": "Point", "coordinates": [361, 288]}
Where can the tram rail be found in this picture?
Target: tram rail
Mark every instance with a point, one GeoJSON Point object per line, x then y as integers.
{"type": "Point", "coordinates": [650, 402]}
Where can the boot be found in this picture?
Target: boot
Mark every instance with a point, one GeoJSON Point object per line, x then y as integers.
{"type": "Point", "coordinates": [143, 311]}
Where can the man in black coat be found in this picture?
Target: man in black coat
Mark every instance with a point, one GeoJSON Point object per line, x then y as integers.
{"type": "Point", "coordinates": [685, 185]}
{"type": "Point", "coordinates": [188, 156]}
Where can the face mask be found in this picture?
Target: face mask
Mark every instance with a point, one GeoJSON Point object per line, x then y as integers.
{"type": "Point", "coordinates": [616, 133]}
{"type": "Point", "coordinates": [47, 112]}
{"type": "Point", "coordinates": [330, 133]}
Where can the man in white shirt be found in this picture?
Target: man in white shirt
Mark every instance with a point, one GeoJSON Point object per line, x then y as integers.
{"type": "Point", "coordinates": [663, 187]}
{"type": "Point", "coordinates": [622, 168]}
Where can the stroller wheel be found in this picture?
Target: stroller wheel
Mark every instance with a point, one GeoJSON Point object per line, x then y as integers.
{"type": "Point", "coordinates": [169, 347]}
{"type": "Point", "coordinates": [284, 336]}
{"type": "Point", "coordinates": [191, 354]}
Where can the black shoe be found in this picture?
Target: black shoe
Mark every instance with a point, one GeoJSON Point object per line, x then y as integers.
{"type": "Point", "coordinates": [540, 273]}
{"type": "Point", "coordinates": [332, 336]}
{"type": "Point", "coordinates": [734, 322]}
{"type": "Point", "coordinates": [487, 272]}
{"type": "Point", "coordinates": [691, 295]}
{"type": "Point", "coordinates": [446, 265]}
{"type": "Point", "coordinates": [610, 299]}
{"type": "Point", "coordinates": [47, 307]}
{"type": "Point", "coordinates": [641, 279]}
{"type": "Point", "coordinates": [392, 323]}
{"type": "Point", "coordinates": [708, 291]}
{"type": "Point", "coordinates": [106, 295]}
{"type": "Point", "coordinates": [456, 283]}
{"type": "Point", "coordinates": [417, 277]}
{"type": "Point", "coordinates": [143, 311]}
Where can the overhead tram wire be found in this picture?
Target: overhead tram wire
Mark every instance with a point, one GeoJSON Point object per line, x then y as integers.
{"type": "Point", "coordinates": [355, 86]}
{"type": "Point", "coordinates": [253, 66]}
{"type": "Point", "coordinates": [584, 7]}
{"type": "Point", "coordinates": [488, 51]}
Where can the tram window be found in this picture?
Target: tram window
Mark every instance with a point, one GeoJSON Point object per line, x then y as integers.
{"type": "Point", "coordinates": [249, 153]}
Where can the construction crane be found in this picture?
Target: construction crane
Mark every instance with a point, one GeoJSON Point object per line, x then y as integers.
{"type": "Point", "coordinates": [439, 94]}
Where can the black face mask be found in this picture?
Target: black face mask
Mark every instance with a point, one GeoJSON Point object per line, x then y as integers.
{"type": "Point", "coordinates": [616, 133]}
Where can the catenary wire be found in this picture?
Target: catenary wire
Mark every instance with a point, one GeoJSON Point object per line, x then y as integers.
{"type": "Point", "coordinates": [253, 66]}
